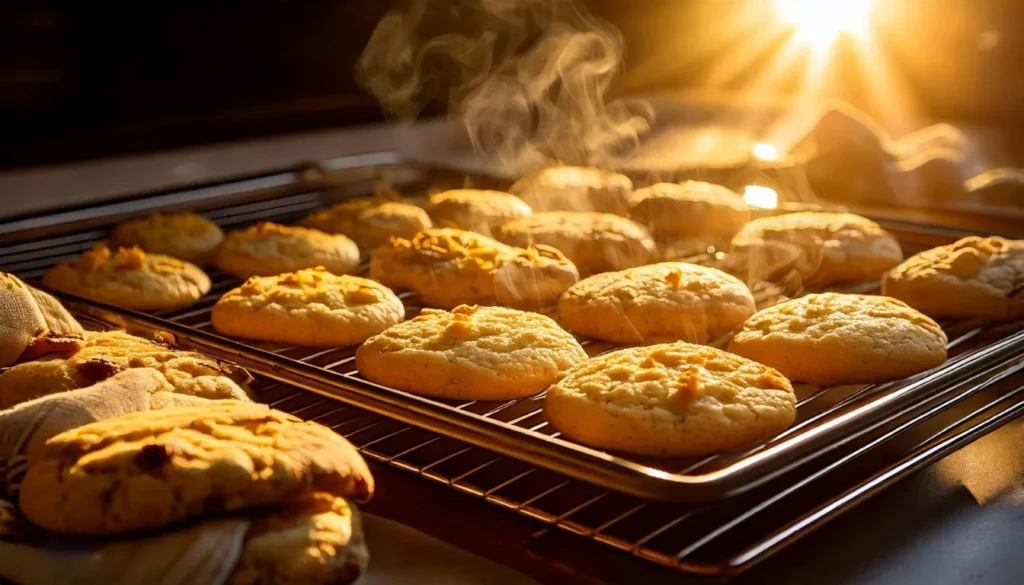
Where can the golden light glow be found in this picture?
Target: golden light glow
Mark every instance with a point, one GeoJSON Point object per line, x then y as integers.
{"type": "Point", "coordinates": [820, 22]}
{"type": "Point", "coordinates": [765, 151]}
{"type": "Point", "coordinates": [809, 53]}
{"type": "Point", "coordinates": [761, 196]}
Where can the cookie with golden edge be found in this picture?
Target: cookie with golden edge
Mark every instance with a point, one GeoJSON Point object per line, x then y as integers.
{"type": "Point", "coordinates": [369, 221]}
{"type": "Point", "coordinates": [450, 267]}
{"type": "Point", "coordinates": [823, 248]}
{"type": "Point", "coordinates": [316, 541]}
{"type": "Point", "coordinates": [147, 470]}
{"type": "Point", "coordinates": [662, 302]}
{"type": "Point", "coordinates": [33, 323]}
{"type": "Point", "coordinates": [568, 188]}
{"type": "Point", "coordinates": [834, 338]}
{"type": "Point", "coordinates": [475, 210]}
{"type": "Point", "coordinates": [471, 353]}
{"type": "Point", "coordinates": [595, 242]}
{"type": "Point", "coordinates": [691, 209]}
{"type": "Point", "coordinates": [130, 279]}
{"type": "Point", "coordinates": [266, 249]}
{"type": "Point", "coordinates": [185, 236]}
{"type": "Point", "coordinates": [104, 354]}
{"type": "Point", "coordinates": [974, 278]}
{"type": "Point", "coordinates": [669, 400]}
{"type": "Point", "coordinates": [310, 307]}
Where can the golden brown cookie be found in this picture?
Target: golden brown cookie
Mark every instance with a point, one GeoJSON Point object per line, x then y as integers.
{"type": "Point", "coordinates": [471, 353]}
{"type": "Point", "coordinates": [450, 267]}
{"type": "Point", "coordinates": [130, 278]}
{"type": "Point", "coordinates": [974, 278]}
{"type": "Point", "coordinates": [266, 249]}
{"type": "Point", "coordinates": [475, 210]}
{"type": "Point", "coordinates": [834, 338]}
{"type": "Point", "coordinates": [595, 242]}
{"type": "Point", "coordinates": [310, 307]}
{"type": "Point", "coordinates": [691, 209]}
{"type": "Point", "coordinates": [150, 469]}
{"type": "Point", "coordinates": [33, 324]}
{"type": "Point", "coordinates": [107, 353]}
{"type": "Point", "coordinates": [369, 221]}
{"type": "Point", "coordinates": [670, 301]}
{"type": "Point", "coordinates": [575, 189]}
{"type": "Point", "coordinates": [823, 248]}
{"type": "Point", "coordinates": [671, 400]}
{"type": "Point", "coordinates": [185, 236]}
{"type": "Point", "coordinates": [317, 541]}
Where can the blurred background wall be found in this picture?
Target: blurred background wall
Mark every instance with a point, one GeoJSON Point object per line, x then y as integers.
{"type": "Point", "coordinates": [80, 80]}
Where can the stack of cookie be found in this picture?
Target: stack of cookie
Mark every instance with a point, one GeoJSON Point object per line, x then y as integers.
{"type": "Point", "coordinates": [107, 434]}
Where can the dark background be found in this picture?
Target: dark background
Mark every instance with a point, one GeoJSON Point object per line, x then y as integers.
{"type": "Point", "coordinates": [86, 79]}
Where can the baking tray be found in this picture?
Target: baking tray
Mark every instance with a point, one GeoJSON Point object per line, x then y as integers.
{"type": "Point", "coordinates": [828, 418]}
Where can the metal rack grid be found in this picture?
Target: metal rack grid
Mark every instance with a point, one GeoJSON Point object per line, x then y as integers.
{"type": "Point", "coordinates": [959, 411]}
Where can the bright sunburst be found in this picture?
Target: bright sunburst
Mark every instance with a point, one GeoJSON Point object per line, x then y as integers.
{"type": "Point", "coordinates": [820, 22]}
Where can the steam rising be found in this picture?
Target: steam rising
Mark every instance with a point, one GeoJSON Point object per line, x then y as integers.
{"type": "Point", "coordinates": [527, 78]}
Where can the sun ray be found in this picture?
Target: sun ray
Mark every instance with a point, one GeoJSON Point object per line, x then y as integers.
{"type": "Point", "coordinates": [891, 95]}
{"type": "Point", "coordinates": [820, 22]}
{"type": "Point", "coordinates": [739, 61]}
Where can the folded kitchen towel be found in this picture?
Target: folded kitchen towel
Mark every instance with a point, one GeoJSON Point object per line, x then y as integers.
{"type": "Point", "coordinates": [25, 428]}
{"type": "Point", "coordinates": [201, 554]}
{"type": "Point", "coordinates": [32, 323]}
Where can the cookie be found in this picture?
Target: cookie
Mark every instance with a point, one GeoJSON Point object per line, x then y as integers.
{"type": "Point", "coordinates": [822, 248]}
{"type": "Point", "coordinates": [318, 541]}
{"type": "Point", "coordinates": [673, 399]}
{"type": "Point", "coordinates": [475, 210]}
{"type": "Point", "coordinates": [691, 209]}
{"type": "Point", "coordinates": [266, 249]}
{"type": "Point", "coordinates": [595, 242]}
{"type": "Point", "coordinates": [471, 353]}
{"type": "Point", "coordinates": [450, 267]}
{"type": "Point", "coordinates": [975, 278]}
{"type": "Point", "coordinates": [369, 221]}
{"type": "Point", "coordinates": [185, 236]}
{"type": "Point", "coordinates": [310, 307]}
{"type": "Point", "coordinates": [107, 353]}
{"type": "Point", "coordinates": [147, 470]}
{"type": "Point", "coordinates": [130, 279]}
{"type": "Point", "coordinates": [33, 324]}
{"type": "Point", "coordinates": [834, 338]}
{"type": "Point", "coordinates": [662, 302]}
{"type": "Point", "coordinates": [575, 189]}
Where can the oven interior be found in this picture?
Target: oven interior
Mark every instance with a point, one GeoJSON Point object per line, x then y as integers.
{"type": "Point", "coordinates": [712, 515]}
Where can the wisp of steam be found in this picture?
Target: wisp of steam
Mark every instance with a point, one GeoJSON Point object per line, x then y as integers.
{"type": "Point", "coordinates": [527, 78]}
